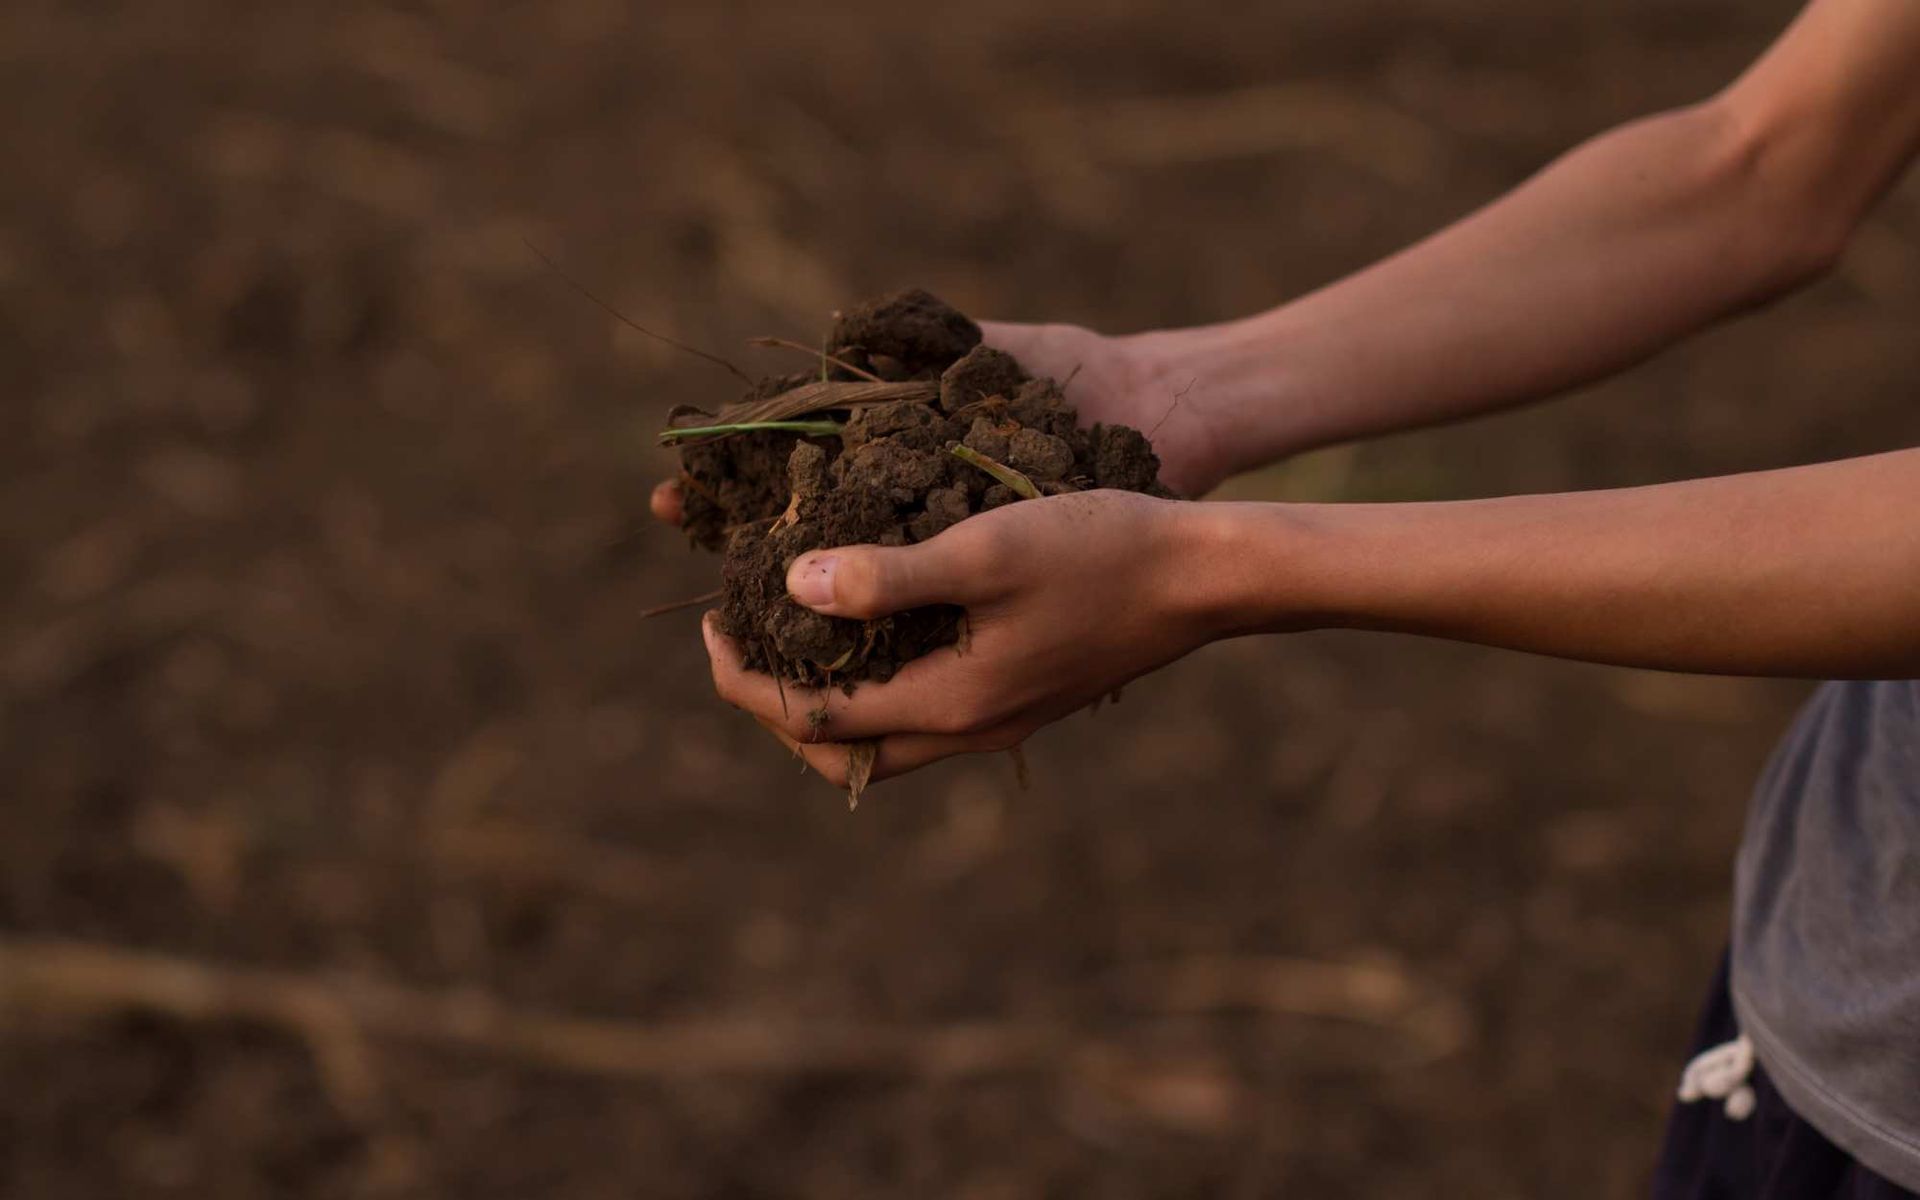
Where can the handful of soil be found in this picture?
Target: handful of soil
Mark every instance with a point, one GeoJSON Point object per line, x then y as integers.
{"type": "Point", "coordinates": [911, 426]}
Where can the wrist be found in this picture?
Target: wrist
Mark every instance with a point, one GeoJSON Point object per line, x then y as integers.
{"type": "Point", "coordinates": [1240, 402]}
{"type": "Point", "coordinates": [1240, 568]}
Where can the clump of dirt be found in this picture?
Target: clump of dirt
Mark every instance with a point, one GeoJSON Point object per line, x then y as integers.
{"type": "Point", "coordinates": [912, 427]}
{"type": "Point", "coordinates": [732, 480]}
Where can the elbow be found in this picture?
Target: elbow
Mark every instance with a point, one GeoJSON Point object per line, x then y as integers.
{"type": "Point", "coordinates": [1788, 218]}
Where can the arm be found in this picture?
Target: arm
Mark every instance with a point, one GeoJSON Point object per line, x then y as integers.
{"type": "Point", "coordinates": [1613, 252]}
{"type": "Point", "coordinates": [1624, 245]}
{"type": "Point", "coordinates": [1812, 571]}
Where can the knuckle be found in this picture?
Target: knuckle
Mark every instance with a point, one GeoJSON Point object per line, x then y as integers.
{"type": "Point", "coordinates": [987, 544]}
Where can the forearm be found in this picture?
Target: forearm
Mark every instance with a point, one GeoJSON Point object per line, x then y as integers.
{"type": "Point", "coordinates": [1812, 571]}
{"type": "Point", "coordinates": [1613, 252]}
{"type": "Point", "coordinates": [1628, 243]}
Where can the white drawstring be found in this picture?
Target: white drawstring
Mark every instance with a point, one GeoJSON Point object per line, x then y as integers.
{"type": "Point", "coordinates": [1721, 1074]}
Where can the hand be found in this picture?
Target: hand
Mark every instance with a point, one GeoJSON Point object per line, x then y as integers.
{"type": "Point", "coordinates": [1115, 380]}
{"type": "Point", "coordinates": [1122, 381]}
{"type": "Point", "coordinates": [1067, 598]}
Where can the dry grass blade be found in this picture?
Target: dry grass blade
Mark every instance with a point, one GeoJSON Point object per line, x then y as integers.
{"type": "Point", "coordinates": [773, 668]}
{"type": "Point", "coordinates": [819, 396]}
{"type": "Point", "coordinates": [629, 322]}
{"type": "Point", "coordinates": [822, 355]}
{"type": "Point", "coordinates": [681, 433]}
{"type": "Point", "coordinates": [691, 484]}
{"type": "Point", "coordinates": [1021, 485]}
{"type": "Point", "coordinates": [860, 758]}
{"type": "Point", "coordinates": [677, 605]}
{"type": "Point", "coordinates": [840, 663]}
{"type": "Point", "coordinates": [1021, 775]}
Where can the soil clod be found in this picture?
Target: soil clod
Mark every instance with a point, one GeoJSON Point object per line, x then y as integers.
{"type": "Point", "coordinates": [957, 429]}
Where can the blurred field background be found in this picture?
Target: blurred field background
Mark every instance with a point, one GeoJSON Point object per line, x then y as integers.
{"type": "Point", "coordinates": [357, 840]}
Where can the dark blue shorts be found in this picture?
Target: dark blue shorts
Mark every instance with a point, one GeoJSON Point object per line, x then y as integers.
{"type": "Point", "coordinates": [1771, 1155]}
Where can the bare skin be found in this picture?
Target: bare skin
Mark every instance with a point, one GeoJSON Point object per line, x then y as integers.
{"type": "Point", "coordinates": [1640, 237]}
{"type": "Point", "coordinates": [1813, 571]}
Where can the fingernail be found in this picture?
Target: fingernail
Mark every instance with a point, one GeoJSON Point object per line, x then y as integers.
{"type": "Point", "coordinates": [810, 579]}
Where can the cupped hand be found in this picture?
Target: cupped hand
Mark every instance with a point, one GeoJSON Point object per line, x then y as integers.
{"type": "Point", "coordinates": [1122, 381]}
{"type": "Point", "coordinates": [1067, 598]}
{"type": "Point", "coordinates": [1114, 380]}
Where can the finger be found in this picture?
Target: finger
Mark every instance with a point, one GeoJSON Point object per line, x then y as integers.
{"type": "Point", "coordinates": [1017, 340]}
{"type": "Point", "coordinates": [828, 760]}
{"type": "Point", "coordinates": [874, 581]}
{"type": "Point", "coordinates": [1042, 349]}
{"type": "Point", "coordinates": [933, 694]}
{"type": "Point", "coordinates": [937, 693]}
{"type": "Point", "coordinates": [901, 754]}
{"type": "Point", "coordinates": [911, 751]}
{"type": "Point", "coordinates": [781, 736]}
{"type": "Point", "coordinates": [757, 692]}
{"type": "Point", "coordinates": [667, 502]}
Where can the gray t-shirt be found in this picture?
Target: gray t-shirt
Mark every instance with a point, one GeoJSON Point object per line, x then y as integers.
{"type": "Point", "coordinates": [1826, 927]}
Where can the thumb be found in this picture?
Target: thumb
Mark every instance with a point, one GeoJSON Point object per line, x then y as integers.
{"type": "Point", "coordinates": [873, 581]}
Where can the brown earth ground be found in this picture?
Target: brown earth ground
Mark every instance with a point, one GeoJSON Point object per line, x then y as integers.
{"type": "Point", "coordinates": [356, 840]}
